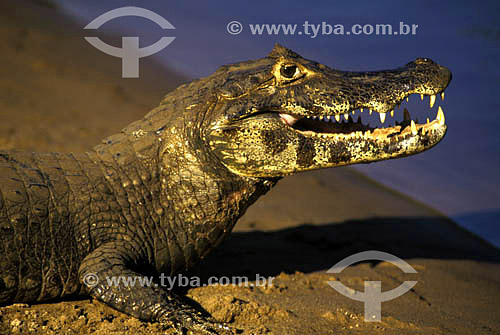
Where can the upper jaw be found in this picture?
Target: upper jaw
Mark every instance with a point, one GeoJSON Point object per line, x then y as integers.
{"type": "Point", "coordinates": [339, 93]}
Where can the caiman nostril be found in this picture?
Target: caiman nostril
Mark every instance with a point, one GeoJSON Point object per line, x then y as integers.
{"type": "Point", "coordinates": [424, 61]}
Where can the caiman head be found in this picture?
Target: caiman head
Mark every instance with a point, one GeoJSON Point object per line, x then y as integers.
{"type": "Point", "coordinates": [284, 114]}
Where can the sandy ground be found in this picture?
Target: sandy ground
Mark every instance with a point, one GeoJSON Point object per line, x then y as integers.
{"type": "Point", "coordinates": [58, 93]}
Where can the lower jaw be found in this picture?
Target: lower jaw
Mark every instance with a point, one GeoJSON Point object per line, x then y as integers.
{"type": "Point", "coordinates": [381, 133]}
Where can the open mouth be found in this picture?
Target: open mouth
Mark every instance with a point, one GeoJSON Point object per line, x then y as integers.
{"type": "Point", "coordinates": [356, 123]}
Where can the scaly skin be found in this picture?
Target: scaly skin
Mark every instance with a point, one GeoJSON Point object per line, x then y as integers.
{"type": "Point", "coordinates": [160, 195]}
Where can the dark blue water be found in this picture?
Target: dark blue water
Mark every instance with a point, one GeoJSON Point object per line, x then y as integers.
{"type": "Point", "coordinates": [460, 177]}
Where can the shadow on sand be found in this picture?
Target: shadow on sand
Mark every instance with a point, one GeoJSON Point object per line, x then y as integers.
{"type": "Point", "coordinates": [310, 248]}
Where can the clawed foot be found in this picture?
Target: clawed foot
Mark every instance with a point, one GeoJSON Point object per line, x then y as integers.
{"type": "Point", "coordinates": [211, 328]}
{"type": "Point", "coordinates": [199, 325]}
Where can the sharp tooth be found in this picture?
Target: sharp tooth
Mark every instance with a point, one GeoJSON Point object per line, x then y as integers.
{"type": "Point", "coordinates": [392, 113]}
{"type": "Point", "coordinates": [370, 111]}
{"type": "Point", "coordinates": [428, 120]}
{"type": "Point", "coordinates": [337, 117]}
{"type": "Point", "coordinates": [346, 116]}
{"type": "Point", "coordinates": [442, 95]}
{"type": "Point", "coordinates": [407, 116]}
{"type": "Point", "coordinates": [382, 117]}
{"type": "Point", "coordinates": [432, 100]}
{"type": "Point", "coordinates": [421, 96]}
{"type": "Point", "coordinates": [361, 110]}
{"type": "Point", "coordinates": [440, 116]}
{"type": "Point", "coordinates": [407, 99]}
{"type": "Point", "coordinates": [353, 112]}
{"type": "Point", "coordinates": [423, 130]}
{"type": "Point", "coordinates": [413, 128]}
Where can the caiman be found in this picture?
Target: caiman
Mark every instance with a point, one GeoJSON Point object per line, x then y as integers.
{"type": "Point", "coordinates": [165, 191]}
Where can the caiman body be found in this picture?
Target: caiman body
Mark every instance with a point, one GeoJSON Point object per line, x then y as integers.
{"type": "Point", "coordinates": [161, 194]}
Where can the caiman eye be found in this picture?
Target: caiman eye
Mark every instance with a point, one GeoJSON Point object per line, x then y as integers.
{"type": "Point", "coordinates": [289, 71]}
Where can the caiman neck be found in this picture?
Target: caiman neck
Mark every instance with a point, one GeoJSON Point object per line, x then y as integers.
{"type": "Point", "coordinates": [192, 179]}
{"type": "Point", "coordinates": [200, 186]}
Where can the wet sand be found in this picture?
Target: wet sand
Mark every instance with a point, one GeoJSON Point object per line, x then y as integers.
{"type": "Point", "coordinates": [58, 93]}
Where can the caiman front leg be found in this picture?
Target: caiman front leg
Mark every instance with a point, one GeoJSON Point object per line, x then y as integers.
{"type": "Point", "coordinates": [148, 303]}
